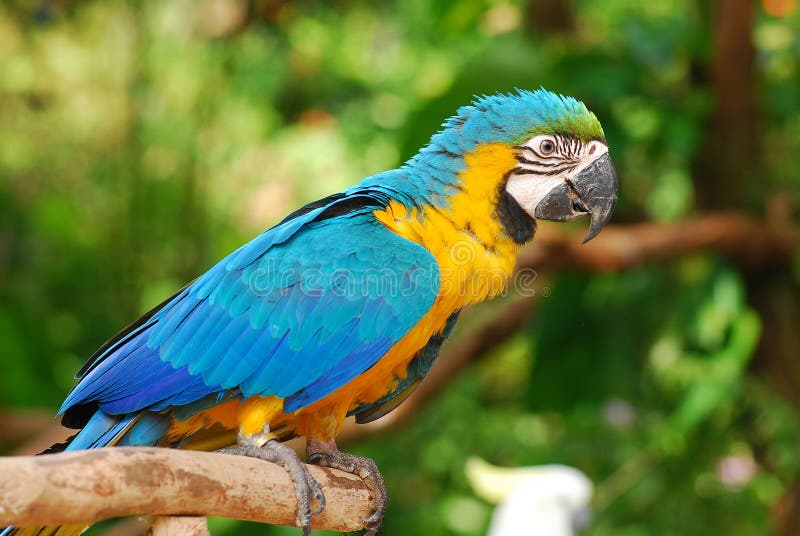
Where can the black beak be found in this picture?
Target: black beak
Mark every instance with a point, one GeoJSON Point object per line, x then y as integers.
{"type": "Point", "coordinates": [592, 191]}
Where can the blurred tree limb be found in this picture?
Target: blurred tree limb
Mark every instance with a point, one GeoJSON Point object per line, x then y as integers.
{"type": "Point", "coordinates": [88, 486]}
{"type": "Point", "coordinates": [744, 240]}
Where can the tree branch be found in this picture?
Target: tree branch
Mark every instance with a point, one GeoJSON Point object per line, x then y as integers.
{"type": "Point", "coordinates": [87, 486]}
{"type": "Point", "coordinates": [621, 247]}
{"type": "Point", "coordinates": [178, 526]}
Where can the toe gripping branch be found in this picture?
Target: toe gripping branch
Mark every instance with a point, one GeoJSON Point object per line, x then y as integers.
{"type": "Point", "coordinates": [326, 454]}
{"type": "Point", "coordinates": [305, 486]}
{"type": "Point", "coordinates": [307, 489]}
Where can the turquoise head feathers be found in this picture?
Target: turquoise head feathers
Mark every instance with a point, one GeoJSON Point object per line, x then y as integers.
{"type": "Point", "coordinates": [509, 119]}
{"type": "Point", "coordinates": [514, 117]}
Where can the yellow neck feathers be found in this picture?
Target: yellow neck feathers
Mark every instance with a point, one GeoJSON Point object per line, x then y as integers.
{"type": "Point", "coordinates": [475, 254]}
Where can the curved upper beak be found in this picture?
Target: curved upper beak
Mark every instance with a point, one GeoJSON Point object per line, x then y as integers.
{"type": "Point", "coordinates": [592, 191]}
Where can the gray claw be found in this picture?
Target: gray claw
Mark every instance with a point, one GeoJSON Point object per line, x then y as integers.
{"type": "Point", "coordinates": [376, 517]}
{"type": "Point", "coordinates": [319, 496]}
{"type": "Point", "coordinates": [326, 454]}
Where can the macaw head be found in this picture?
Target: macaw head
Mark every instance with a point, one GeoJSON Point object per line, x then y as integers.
{"type": "Point", "coordinates": [562, 169]}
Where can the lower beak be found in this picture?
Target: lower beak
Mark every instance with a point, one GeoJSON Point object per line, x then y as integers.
{"type": "Point", "coordinates": [592, 191]}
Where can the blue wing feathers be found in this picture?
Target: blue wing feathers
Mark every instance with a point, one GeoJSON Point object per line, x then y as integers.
{"type": "Point", "coordinates": [184, 345]}
{"type": "Point", "coordinates": [296, 313]}
{"type": "Point", "coordinates": [261, 312]}
{"type": "Point", "coordinates": [230, 346]}
{"type": "Point", "coordinates": [173, 314]}
{"type": "Point", "coordinates": [357, 361]}
{"type": "Point", "coordinates": [208, 356]}
{"type": "Point", "coordinates": [261, 377]}
{"type": "Point", "coordinates": [292, 379]}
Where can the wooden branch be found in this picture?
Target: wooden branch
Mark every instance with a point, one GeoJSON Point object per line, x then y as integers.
{"type": "Point", "coordinates": [87, 486]}
{"type": "Point", "coordinates": [622, 247]}
{"type": "Point", "coordinates": [178, 526]}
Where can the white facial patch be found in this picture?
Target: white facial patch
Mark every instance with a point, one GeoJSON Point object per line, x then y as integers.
{"type": "Point", "coordinates": [528, 190]}
{"type": "Point", "coordinates": [545, 162]}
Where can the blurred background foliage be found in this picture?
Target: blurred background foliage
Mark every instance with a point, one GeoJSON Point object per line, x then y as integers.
{"type": "Point", "coordinates": [141, 141]}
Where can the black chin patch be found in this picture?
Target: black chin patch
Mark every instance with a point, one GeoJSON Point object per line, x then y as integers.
{"type": "Point", "coordinates": [517, 223]}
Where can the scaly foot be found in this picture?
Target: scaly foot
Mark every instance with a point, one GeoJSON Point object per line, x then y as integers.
{"type": "Point", "coordinates": [325, 454]}
{"type": "Point", "coordinates": [305, 486]}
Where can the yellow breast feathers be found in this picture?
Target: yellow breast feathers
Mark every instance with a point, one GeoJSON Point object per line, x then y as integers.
{"type": "Point", "coordinates": [475, 254]}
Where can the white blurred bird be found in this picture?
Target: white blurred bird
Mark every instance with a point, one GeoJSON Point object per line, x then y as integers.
{"type": "Point", "coordinates": [545, 500]}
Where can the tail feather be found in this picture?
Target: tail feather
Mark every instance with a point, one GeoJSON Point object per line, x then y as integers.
{"type": "Point", "coordinates": [102, 430]}
{"type": "Point", "coordinates": [146, 430]}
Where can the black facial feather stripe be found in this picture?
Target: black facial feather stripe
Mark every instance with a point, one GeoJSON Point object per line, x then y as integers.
{"type": "Point", "coordinates": [515, 221]}
{"type": "Point", "coordinates": [537, 153]}
{"type": "Point", "coordinates": [519, 170]}
{"type": "Point", "coordinates": [522, 160]}
{"type": "Point", "coordinates": [552, 156]}
{"type": "Point", "coordinates": [567, 146]}
{"type": "Point", "coordinates": [552, 172]}
{"type": "Point", "coordinates": [577, 145]}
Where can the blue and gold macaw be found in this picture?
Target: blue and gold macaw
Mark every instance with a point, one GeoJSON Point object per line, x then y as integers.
{"type": "Point", "coordinates": [342, 307]}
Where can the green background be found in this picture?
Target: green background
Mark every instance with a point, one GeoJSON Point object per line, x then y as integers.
{"type": "Point", "coordinates": [142, 141]}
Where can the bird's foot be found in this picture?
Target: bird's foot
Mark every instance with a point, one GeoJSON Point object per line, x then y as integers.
{"type": "Point", "coordinates": [325, 454]}
{"type": "Point", "coordinates": [306, 488]}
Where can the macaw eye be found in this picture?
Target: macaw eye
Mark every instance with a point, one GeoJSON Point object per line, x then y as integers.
{"type": "Point", "coordinates": [547, 147]}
